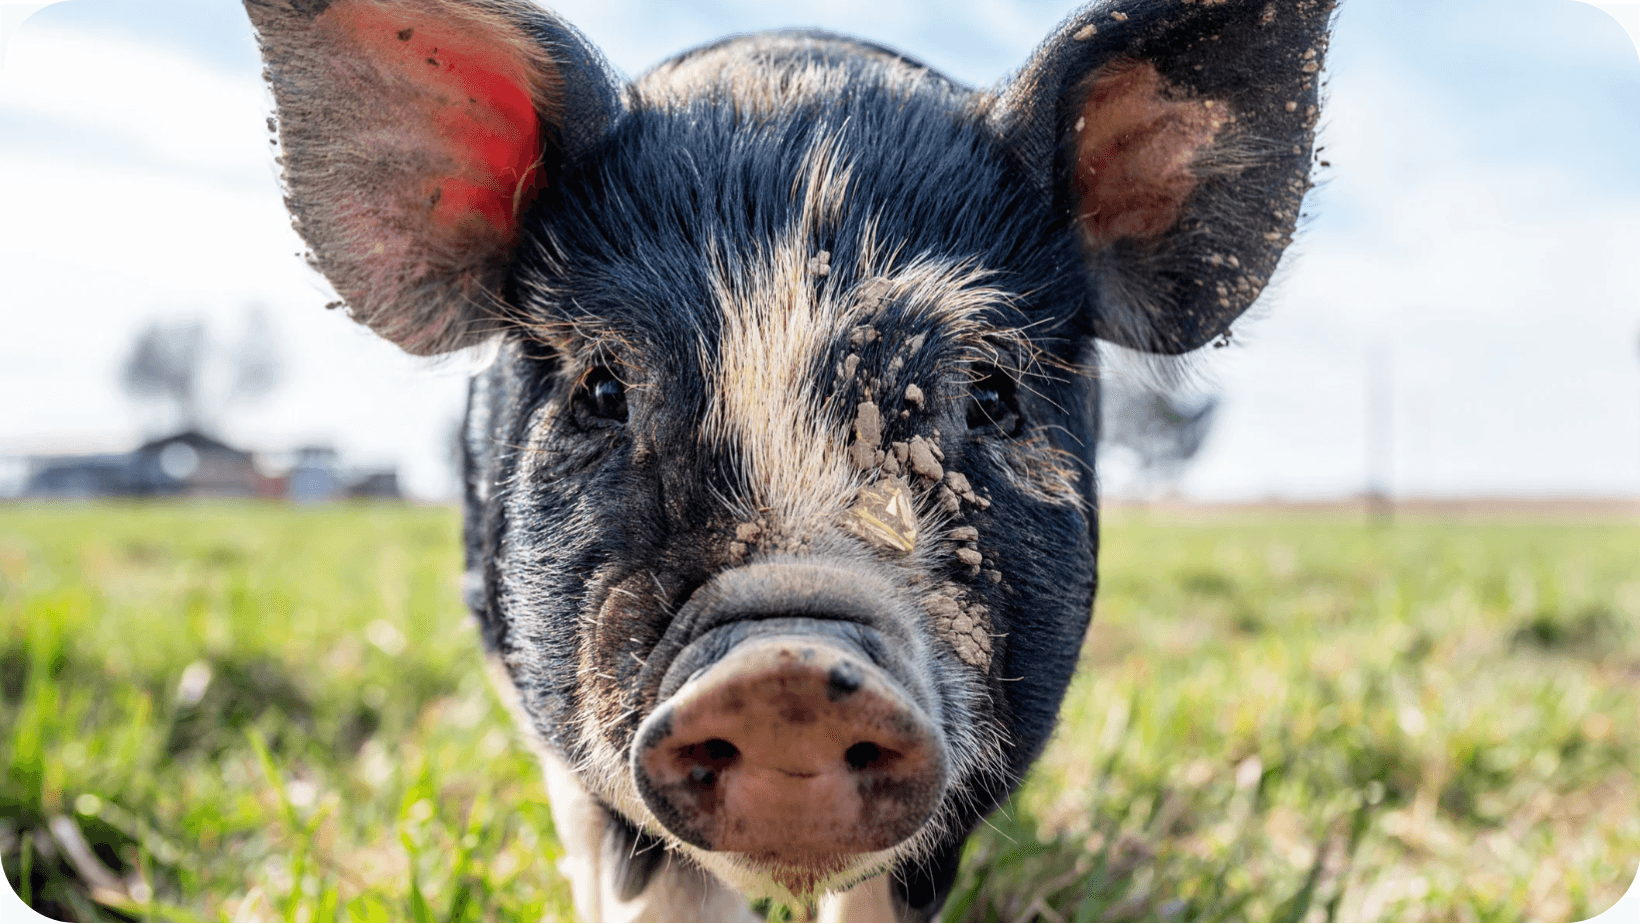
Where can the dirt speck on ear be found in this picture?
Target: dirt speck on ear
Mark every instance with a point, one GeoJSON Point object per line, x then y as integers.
{"type": "Point", "coordinates": [964, 534]}
{"type": "Point", "coordinates": [850, 363]}
{"type": "Point", "coordinates": [949, 502]}
{"type": "Point", "coordinates": [970, 557]}
{"type": "Point", "coordinates": [862, 335]}
{"type": "Point", "coordinates": [913, 395]}
{"type": "Point", "coordinates": [748, 532]}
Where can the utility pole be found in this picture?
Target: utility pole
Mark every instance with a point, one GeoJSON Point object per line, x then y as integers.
{"type": "Point", "coordinates": [1380, 420]}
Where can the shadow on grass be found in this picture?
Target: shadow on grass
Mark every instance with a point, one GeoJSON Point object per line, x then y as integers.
{"type": "Point", "coordinates": [1588, 633]}
{"type": "Point", "coordinates": [73, 869]}
{"type": "Point", "coordinates": [234, 694]}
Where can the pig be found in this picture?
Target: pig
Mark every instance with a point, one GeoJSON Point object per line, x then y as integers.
{"type": "Point", "coordinates": [780, 509]}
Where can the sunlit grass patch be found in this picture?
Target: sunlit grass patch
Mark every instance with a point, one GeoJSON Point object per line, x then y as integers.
{"type": "Point", "coordinates": [1289, 719]}
{"type": "Point", "coordinates": [257, 713]}
{"type": "Point", "coordinates": [247, 712]}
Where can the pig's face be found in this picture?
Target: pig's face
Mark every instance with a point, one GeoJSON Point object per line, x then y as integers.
{"type": "Point", "coordinates": [774, 377]}
{"type": "Point", "coordinates": [780, 502]}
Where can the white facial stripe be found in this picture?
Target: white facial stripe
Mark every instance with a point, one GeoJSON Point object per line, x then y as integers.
{"type": "Point", "coordinates": [781, 321]}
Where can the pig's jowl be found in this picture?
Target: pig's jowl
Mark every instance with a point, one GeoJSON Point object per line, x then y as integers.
{"type": "Point", "coordinates": [780, 508]}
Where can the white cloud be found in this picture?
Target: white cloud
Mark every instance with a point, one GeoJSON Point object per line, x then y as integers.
{"type": "Point", "coordinates": [170, 107]}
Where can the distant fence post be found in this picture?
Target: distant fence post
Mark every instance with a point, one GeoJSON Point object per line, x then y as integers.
{"type": "Point", "coordinates": [1380, 422]}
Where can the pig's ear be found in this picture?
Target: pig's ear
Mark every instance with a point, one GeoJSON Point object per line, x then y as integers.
{"type": "Point", "coordinates": [1177, 137]}
{"type": "Point", "coordinates": [415, 134]}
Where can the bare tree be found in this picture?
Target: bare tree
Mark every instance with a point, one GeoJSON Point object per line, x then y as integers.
{"type": "Point", "coordinates": [165, 365]}
{"type": "Point", "coordinates": [176, 363]}
{"type": "Point", "coordinates": [1162, 429]}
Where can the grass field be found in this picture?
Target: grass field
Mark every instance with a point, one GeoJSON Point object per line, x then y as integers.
{"type": "Point", "coordinates": [257, 713]}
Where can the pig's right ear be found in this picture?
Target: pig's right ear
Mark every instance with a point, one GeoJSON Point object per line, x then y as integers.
{"type": "Point", "coordinates": [415, 135]}
{"type": "Point", "coordinates": [1176, 137]}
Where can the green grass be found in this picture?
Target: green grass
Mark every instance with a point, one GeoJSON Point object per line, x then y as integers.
{"type": "Point", "coordinates": [1276, 719]}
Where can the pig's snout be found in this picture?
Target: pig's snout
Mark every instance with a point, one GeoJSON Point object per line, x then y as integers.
{"type": "Point", "coordinates": [791, 748]}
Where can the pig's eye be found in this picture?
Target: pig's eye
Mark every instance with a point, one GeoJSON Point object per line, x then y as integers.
{"type": "Point", "coordinates": [992, 404]}
{"type": "Point", "coordinates": [602, 398]}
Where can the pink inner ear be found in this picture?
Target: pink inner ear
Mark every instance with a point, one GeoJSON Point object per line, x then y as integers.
{"type": "Point", "coordinates": [470, 93]}
{"type": "Point", "coordinates": [1134, 149]}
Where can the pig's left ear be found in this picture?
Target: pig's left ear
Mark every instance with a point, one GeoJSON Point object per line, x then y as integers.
{"type": "Point", "coordinates": [415, 134]}
{"type": "Point", "coordinates": [1176, 135]}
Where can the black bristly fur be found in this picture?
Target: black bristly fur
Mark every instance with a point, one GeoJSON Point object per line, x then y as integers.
{"type": "Point", "coordinates": [621, 239]}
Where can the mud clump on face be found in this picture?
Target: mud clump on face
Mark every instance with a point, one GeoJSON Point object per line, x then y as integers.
{"type": "Point", "coordinates": [868, 423]}
{"type": "Point", "coordinates": [921, 454]}
{"type": "Point", "coordinates": [868, 433]}
{"type": "Point", "coordinates": [873, 293]}
{"type": "Point", "coordinates": [966, 627]}
{"type": "Point", "coordinates": [957, 483]}
{"type": "Point", "coordinates": [885, 516]}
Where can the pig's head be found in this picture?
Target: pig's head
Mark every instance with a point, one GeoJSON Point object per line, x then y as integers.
{"type": "Point", "coordinates": [781, 506]}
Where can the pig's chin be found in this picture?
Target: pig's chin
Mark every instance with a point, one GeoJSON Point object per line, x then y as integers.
{"type": "Point", "coordinates": [793, 878]}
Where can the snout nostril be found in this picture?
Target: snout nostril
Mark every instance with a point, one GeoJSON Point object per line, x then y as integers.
{"type": "Point", "coordinates": [706, 760]}
{"type": "Point", "coordinates": [867, 756]}
{"type": "Point", "coordinates": [843, 680]}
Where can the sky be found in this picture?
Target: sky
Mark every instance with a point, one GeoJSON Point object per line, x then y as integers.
{"type": "Point", "coordinates": [1475, 243]}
